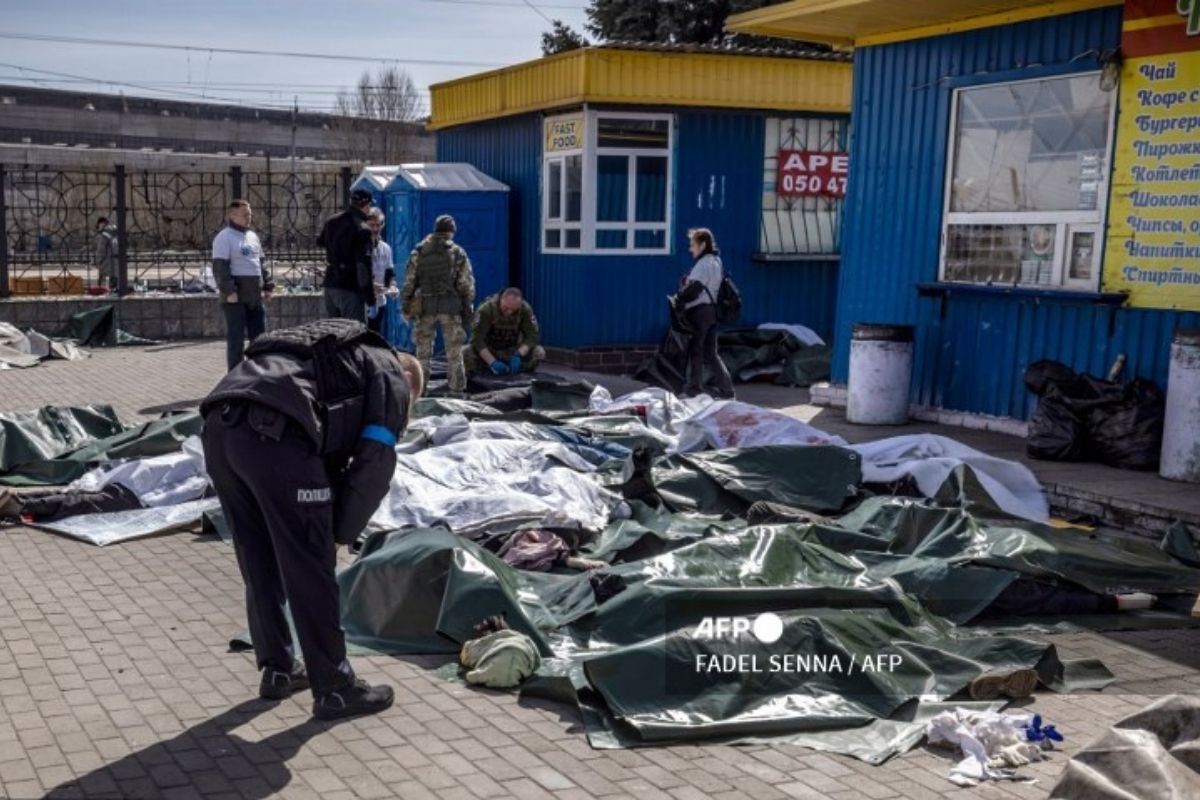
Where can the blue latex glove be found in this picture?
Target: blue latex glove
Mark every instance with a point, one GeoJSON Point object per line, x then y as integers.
{"type": "Point", "coordinates": [499, 367]}
{"type": "Point", "coordinates": [1036, 732]}
{"type": "Point", "coordinates": [514, 364]}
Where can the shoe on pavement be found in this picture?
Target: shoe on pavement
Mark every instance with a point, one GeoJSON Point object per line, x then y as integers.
{"type": "Point", "coordinates": [355, 700]}
{"type": "Point", "coordinates": [279, 685]}
{"type": "Point", "coordinates": [10, 504]}
{"type": "Point", "coordinates": [1013, 684]}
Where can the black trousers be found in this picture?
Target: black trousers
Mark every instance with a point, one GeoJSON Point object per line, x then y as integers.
{"type": "Point", "coordinates": [344, 304]}
{"type": "Point", "coordinates": [276, 495]}
{"type": "Point", "coordinates": [59, 505]}
{"type": "Point", "coordinates": [242, 321]}
{"type": "Point", "coordinates": [1027, 597]}
{"type": "Point", "coordinates": [702, 352]}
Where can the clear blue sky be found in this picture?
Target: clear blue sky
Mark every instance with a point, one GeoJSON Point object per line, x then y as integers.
{"type": "Point", "coordinates": [493, 31]}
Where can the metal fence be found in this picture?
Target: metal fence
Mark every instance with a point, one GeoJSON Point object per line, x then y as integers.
{"type": "Point", "coordinates": [165, 223]}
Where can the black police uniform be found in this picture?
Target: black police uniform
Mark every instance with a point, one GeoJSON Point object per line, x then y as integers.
{"type": "Point", "coordinates": [299, 443]}
{"type": "Point", "coordinates": [349, 282]}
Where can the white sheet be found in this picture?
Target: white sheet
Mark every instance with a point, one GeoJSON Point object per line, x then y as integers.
{"type": "Point", "coordinates": [804, 334]}
{"type": "Point", "coordinates": [930, 458]}
{"type": "Point", "coordinates": [121, 526]}
{"type": "Point", "coordinates": [729, 423]}
{"type": "Point", "coordinates": [479, 485]}
{"type": "Point", "coordinates": [701, 423]}
{"type": "Point", "coordinates": [165, 480]}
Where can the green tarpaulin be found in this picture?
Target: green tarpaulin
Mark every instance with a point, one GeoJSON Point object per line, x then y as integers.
{"type": "Point", "coordinates": [855, 652]}
{"type": "Point", "coordinates": [55, 445]}
{"type": "Point", "coordinates": [97, 327]}
{"type": "Point", "coordinates": [796, 363]}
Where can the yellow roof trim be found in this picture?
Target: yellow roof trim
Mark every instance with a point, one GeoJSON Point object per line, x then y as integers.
{"type": "Point", "coordinates": [861, 23]}
{"type": "Point", "coordinates": [644, 77]}
{"type": "Point", "coordinates": [987, 21]}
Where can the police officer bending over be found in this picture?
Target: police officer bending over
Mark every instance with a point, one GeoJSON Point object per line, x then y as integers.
{"type": "Point", "coordinates": [299, 442]}
{"type": "Point", "coordinates": [504, 336]}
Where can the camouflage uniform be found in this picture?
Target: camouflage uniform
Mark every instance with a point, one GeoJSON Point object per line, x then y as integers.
{"type": "Point", "coordinates": [503, 336]}
{"type": "Point", "coordinates": [439, 288]}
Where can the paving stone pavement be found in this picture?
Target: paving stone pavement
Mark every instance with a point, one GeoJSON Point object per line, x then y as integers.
{"type": "Point", "coordinates": [116, 681]}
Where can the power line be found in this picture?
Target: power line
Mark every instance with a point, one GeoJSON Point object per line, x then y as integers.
{"type": "Point", "coordinates": [249, 88]}
{"type": "Point", "coordinates": [539, 12]}
{"type": "Point", "coordinates": [173, 93]}
{"type": "Point", "coordinates": [499, 4]}
{"type": "Point", "coordinates": [39, 37]}
{"type": "Point", "coordinates": [143, 87]}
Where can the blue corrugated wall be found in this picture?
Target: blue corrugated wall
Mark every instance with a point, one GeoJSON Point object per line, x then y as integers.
{"type": "Point", "coordinates": [973, 358]}
{"type": "Point", "coordinates": [619, 300]}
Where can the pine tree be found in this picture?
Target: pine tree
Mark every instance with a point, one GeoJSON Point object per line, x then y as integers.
{"type": "Point", "coordinates": [700, 22]}
{"type": "Point", "coordinates": [561, 39]}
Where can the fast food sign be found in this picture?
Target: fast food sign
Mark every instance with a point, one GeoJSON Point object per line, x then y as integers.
{"type": "Point", "coordinates": [805, 173]}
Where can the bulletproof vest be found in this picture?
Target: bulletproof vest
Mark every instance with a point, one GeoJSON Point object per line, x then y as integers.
{"type": "Point", "coordinates": [435, 277]}
{"type": "Point", "coordinates": [505, 332]}
{"type": "Point", "coordinates": [327, 344]}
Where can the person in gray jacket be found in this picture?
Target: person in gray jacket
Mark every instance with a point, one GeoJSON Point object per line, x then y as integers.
{"type": "Point", "coordinates": [698, 294]}
{"type": "Point", "coordinates": [106, 253]}
{"type": "Point", "coordinates": [243, 281]}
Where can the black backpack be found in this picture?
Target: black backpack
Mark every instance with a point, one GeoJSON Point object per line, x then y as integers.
{"type": "Point", "coordinates": [728, 300]}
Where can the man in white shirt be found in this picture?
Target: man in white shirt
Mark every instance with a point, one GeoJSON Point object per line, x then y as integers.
{"type": "Point", "coordinates": [243, 281]}
{"type": "Point", "coordinates": [383, 271]}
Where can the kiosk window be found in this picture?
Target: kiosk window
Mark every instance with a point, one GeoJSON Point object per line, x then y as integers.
{"type": "Point", "coordinates": [1028, 181]}
{"type": "Point", "coordinates": [611, 192]}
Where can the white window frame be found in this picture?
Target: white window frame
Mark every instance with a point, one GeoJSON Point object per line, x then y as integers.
{"type": "Point", "coordinates": [1064, 222]}
{"type": "Point", "coordinates": [589, 225]}
{"type": "Point", "coordinates": [560, 222]}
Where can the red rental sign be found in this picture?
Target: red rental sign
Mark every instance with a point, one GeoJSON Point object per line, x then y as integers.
{"type": "Point", "coordinates": [804, 173]}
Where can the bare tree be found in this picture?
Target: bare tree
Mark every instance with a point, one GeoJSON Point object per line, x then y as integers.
{"type": "Point", "coordinates": [378, 118]}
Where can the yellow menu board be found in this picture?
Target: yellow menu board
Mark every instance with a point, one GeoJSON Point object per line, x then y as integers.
{"type": "Point", "coordinates": [1153, 245]}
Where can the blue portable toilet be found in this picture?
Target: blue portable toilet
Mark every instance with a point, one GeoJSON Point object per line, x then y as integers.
{"type": "Point", "coordinates": [419, 193]}
{"type": "Point", "coordinates": [375, 180]}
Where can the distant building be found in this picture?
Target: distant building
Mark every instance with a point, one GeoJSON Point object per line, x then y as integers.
{"type": "Point", "coordinates": [83, 120]}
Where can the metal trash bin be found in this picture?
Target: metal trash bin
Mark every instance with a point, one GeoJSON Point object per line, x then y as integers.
{"type": "Point", "coordinates": [881, 358]}
{"type": "Point", "coordinates": [1181, 426]}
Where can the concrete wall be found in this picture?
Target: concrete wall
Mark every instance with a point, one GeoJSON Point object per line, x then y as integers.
{"type": "Point", "coordinates": [74, 119]}
{"type": "Point", "coordinates": [165, 317]}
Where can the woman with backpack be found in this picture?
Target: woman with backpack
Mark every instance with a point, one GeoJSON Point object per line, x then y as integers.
{"type": "Point", "coordinates": [697, 296]}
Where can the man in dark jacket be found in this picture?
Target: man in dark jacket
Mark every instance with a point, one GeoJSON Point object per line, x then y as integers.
{"type": "Point", "coordinates": [349, 245]}
{"type": "Point", "coordinates": [299, 444]}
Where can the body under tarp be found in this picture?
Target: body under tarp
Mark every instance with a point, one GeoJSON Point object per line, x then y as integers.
{"type": "Point", "coordinates": [55, 445]}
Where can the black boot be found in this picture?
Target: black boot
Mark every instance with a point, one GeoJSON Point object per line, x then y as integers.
{"type": "Point", "coordinates": [355, 700]}
{"type": "Point", "coordinates": [279, 685]}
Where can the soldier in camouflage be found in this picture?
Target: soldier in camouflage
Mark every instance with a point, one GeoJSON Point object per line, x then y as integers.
{"type": "Point", "coordinates": [505, 336]}
{"type": "Point", "coordinates": [439, 287]}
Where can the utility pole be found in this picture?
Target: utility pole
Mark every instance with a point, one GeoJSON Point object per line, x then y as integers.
{"type": "Point", "coordinates": [295, 111]}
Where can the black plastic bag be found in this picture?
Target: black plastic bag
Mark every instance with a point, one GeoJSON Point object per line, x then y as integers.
{"type": "Point", "coordinates": [1056, 433]}
{"type": "Point", "coordinates": [1127, 431]}
{"type": "Point", "coordinates": [667, 368]}
{"type": "Point", "coordinates": [1081, 417]}
{"type": "Point", "coordinates": [1057, 429]}
{"type": "Point", "coordinates": [1042, 376]}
